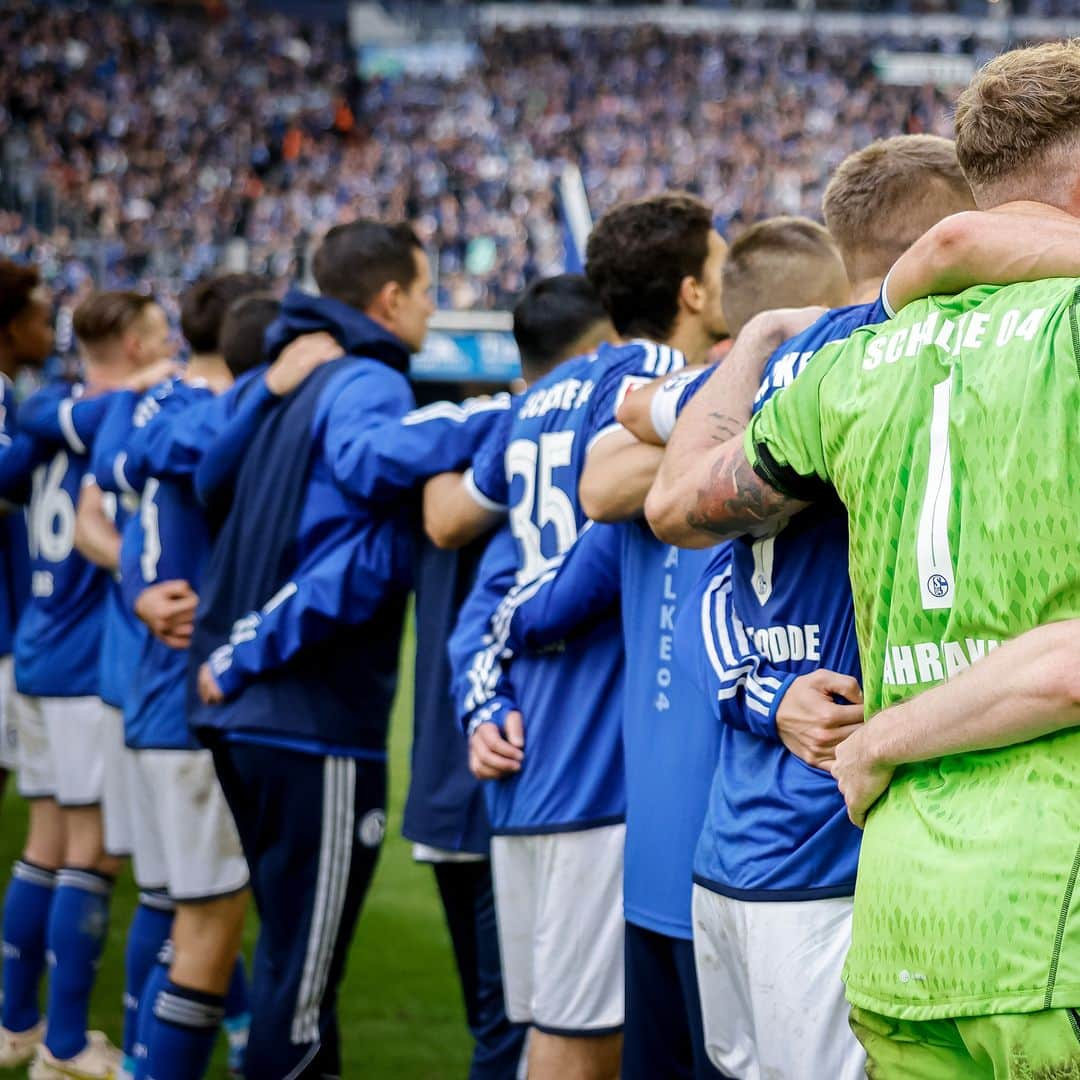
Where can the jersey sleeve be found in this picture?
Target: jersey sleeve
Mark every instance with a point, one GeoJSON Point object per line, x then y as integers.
{"type": "Point", "coordinates": [346, 587]}
{"type": "Point", "coordinates": [572, 596]}
{"type": "Point", "coordinates": [480, 654]}
{"type": "Point", "coordinates": [231, 425]}
{"type": "Point", "coordinates": [110, 444]}
{"type": "Point", "coordinates": [57, 414]}
{"type": "Point", "coordinates": [387, 460]}
{"type": "Point", "coordinates": [637, 369]}
{"type": "Point", "coordinates": [673, 396]}
{"type": "Point", "coordinates": [743, 686]}
{"type": "Point", "coordinates": [783, 442]}
{"type": "Point", "coordinates": [486, 479]}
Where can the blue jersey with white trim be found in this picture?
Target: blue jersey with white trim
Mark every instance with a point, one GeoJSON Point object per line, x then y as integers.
{"type": "Point", "coordinates": [670, 736]}
{"type": "Point", "coordinates": [170, 541]}
{"type": "Point", "coordinates": [57, 643]}
{"type": "Point", "coordinates": [776, 827]}
{"type": "Point", "coordinates": [571, 777]}
{"type": "Point", "coordinates": [14, 558]}
{"type": "Point", "coordinates": [549, 431]}
{"type": "Point", "coordinates": [122, 633]}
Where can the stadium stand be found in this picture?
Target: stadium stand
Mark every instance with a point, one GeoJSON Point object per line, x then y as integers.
{"type": "Point", "coordinates": [151, 146]}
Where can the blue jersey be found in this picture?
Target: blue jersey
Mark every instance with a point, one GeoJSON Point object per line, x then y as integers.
{"type": "Point", "coordinates": [170, 541]}
{"type": "Point", "coordinates": [670, 737]}
{"type": "Point", "coordinates": [533, 469]}
{"type": "Point", "coordinates": [303, 597]}
{"type": "Point", "coordinates": [773, 609]}
{"type": "Point", "coordinates": [445, 806]}
{"type": "Point", "coordinates": [57, 644]}
{"type": "Point", "coordinates": [122, 633]}
{"type": "Point", "coordinates": [570, 698]}
{"type": "Point", "coordinates": [14, 559]}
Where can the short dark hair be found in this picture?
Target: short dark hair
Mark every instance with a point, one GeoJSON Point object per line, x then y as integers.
{"type": "Point", "coordinates": [243, 330]}
{"type": "Point", "coordinates": [203, 307]}
{"type": "Point", "coordinates": [550, 315]}
{"type": "Point", "coordinates": [638, 255]}
{"type": "Point", "coordinates": [356, 260]}
{"type": "Point", "coordinates": [105, 315]}
{"type": "Point", "coordinates": [17, 283]}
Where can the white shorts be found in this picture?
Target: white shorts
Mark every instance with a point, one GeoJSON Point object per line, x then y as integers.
{"type": "Point", "coordinates": [772, 1001]}
{"type": "Point", "coordinates": [61, 748]}
{"type": "Point", "coordinates": [9, 739]}
{"type": "Point", "coordinates": [116, 810]}
{"type": "Point", "coordinates": [185, 837]}
{"type": "Point", "coordinates": [558, 903]}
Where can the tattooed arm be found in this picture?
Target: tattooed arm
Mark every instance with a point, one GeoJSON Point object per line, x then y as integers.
{"type": "Point", "coordinates": [705, 489]}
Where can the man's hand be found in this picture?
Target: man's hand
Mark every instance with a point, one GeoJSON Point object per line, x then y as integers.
{"type": "Point", "coordinates": [168, 609]}
{"type": "Point", "coordinates": [493, 756]}
{"type": "Point", "coordinates": [209, 691]}
{"type": "Point", "coordinates": [298, 360]}
{"type": "Point", "coordinates": [860, 772]}
{"type": "Point", "coordinates": [149, 376]}
{"type": "Point", "coordinates": [811, 724]}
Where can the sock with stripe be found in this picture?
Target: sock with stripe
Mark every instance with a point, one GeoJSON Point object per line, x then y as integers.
{"type": "Point", "coordinates": [26, 919]}
{"type": "Point", "coordinates": [149, 931]}
{"type": "Point", "coordinates": [78, 926]}
{"type": "Point", "coordinates": [182, 1032]}
{"type": "Point", "coordinates": [156, 981]}
{"type": "Point", "coordinates": [237, 1022]}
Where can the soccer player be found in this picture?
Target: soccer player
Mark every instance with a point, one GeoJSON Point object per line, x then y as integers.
{"type": "Point", "coordinates": [115, 465]}
{"type": "Point", "coordinates": [26, 339]}
{"type": "Point", "coordinates": [928, 428]}
{"type": "Point", "coordinates": [664, 291]}
{"type": "Point", "coordinates": [663, 1015]}
{"type": "Point", "coordinates": [57, 662]}
{"type": "Point", "coordinates": [302, 766]}
{"type": "Point", "coordinates": [445, 813]}
{"type": "Point", "coordinates": [775, 865]}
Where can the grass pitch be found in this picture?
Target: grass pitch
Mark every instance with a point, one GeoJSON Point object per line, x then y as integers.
{"type": "Point", "coordinates": [401, 1012]}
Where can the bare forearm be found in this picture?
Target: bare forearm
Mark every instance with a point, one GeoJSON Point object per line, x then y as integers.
{"type": "Point", "coordinates": [1027, 688]}
{"type": "Point", "coordinates": [998, 247]}
{"type": "Point", "coordinates": [452, 518]}
{"type": "Point", "coordinates": [96, 537]}
{"type": "Point", "coordinates": [704, 490]}
{"type": "Point", "coordinates": [617, 476]}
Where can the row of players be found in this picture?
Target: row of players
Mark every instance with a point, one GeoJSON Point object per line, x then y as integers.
{"type": "Point", "coordinates": [617, 692]}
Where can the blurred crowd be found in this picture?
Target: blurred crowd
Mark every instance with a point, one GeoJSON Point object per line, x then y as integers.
{"type": "Point", "coordinates": [153, 142]}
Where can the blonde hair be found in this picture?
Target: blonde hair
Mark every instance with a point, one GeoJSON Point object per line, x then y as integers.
{"type": "Point", "coordinates": [781, 262]}
{"type": "Point", "coordinates": [882, 198]}
{"type": "Point", "coordinates": [1019, 109]}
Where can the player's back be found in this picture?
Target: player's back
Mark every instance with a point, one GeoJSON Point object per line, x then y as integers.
{"type": "Point", "coordinates": [58, 638]}
{"type": "Point", "coordinates": [544, 457]}
{"type": "Point", "coordinates": [950, 435]}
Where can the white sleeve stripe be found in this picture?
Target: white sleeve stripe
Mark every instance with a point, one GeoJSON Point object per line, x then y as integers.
{"type": "Point", "coordinates": [67, 426]}
{"type": "Point", "coordinates": [756, 690]}
{"type": "Point", "coordinates": [885, 295]}
{"type": "Point", "coordinates": [726, 673]}
{"type": "Point", "coordinates": [483, 675]}
{"type": "Point", "coordinates": [756, 706]}
{"type": "Point", "coordinates": [118, 473]}
{"type": "Point", "coordinates": [479, 497]}
{"type": "Point", "coordinates": [603, 433]}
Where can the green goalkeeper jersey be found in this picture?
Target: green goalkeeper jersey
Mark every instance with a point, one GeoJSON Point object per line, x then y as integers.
{"type": "Point", "coordinates": [950, 435]}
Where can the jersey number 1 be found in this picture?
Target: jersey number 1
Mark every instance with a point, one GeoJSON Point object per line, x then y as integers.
{"type": "Point", "coordinates": [937, 581]}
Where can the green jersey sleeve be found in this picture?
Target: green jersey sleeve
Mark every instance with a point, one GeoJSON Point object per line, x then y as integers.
{"type": "Point", "coordinates": [783, 441]}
